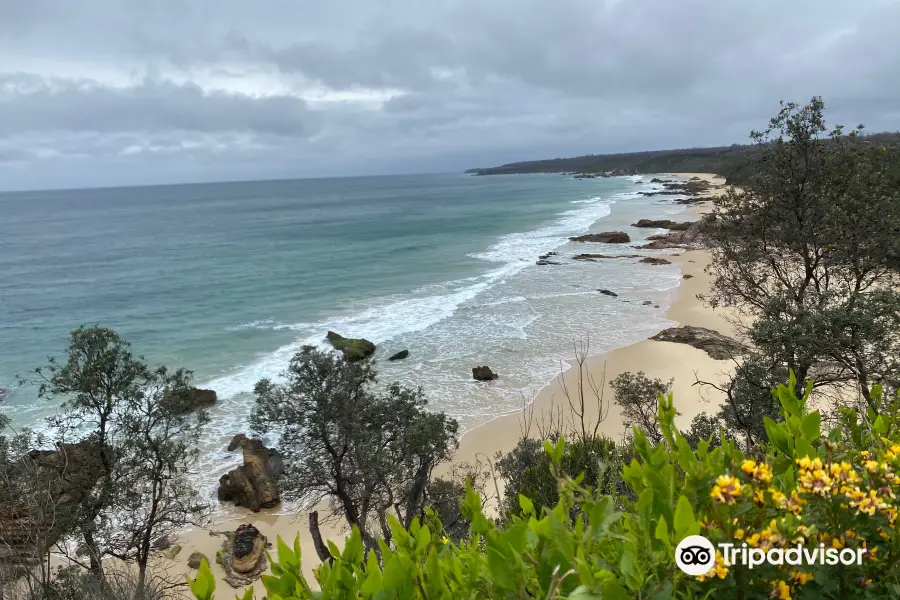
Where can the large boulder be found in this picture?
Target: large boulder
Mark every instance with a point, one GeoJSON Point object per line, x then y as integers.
{"type": "Point", "coordinates": [353, 349]}
{"type": "Point", "coordinates": [194, 399]}
{"type": "Point", "coordinates": [718, 346]}
{"type": "Point", "coordinates": [243, 555]}
{"type": "Point", "coordinates": [400, 355]}
{"type": "Point", "coordinates": [195, 559]}
{"type": "Point", "coordinates": [606, 237]}
{"type": "Point", "coordinates": [483, 373]}
{"type": "Point", "coordinates": [254, 484]}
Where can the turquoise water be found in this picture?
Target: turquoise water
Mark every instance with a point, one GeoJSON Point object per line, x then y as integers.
{"type": "Point", "coordinates": [230, 279]}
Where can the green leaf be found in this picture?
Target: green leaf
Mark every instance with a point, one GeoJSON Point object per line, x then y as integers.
{"type": "Point", "coordinates": [685, 523]}
{"type": "Point", "coordinates": [810, 426]}
{"type": "Point", "coordinates": [204, 586]}
{"type": "Point", "coordinates": [526, 505]}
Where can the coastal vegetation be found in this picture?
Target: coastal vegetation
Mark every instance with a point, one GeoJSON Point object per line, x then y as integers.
{"type": "Point", "coordinates": [805, 448]}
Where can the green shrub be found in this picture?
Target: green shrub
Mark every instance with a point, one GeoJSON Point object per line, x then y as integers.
{"type": "Point", "coordinates": [839, 490]}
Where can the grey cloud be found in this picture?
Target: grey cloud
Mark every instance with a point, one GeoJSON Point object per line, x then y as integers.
{"type": "Point", "coordinates": [96, 82]}
{"type": "Point", "coordinates": [31, 104]}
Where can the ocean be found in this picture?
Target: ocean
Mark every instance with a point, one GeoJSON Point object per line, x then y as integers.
{"type": "Point", "coordinates": [230, 279]}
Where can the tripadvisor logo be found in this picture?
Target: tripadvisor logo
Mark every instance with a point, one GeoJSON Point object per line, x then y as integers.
{"type": "Point", "coordinates": [696, 555]}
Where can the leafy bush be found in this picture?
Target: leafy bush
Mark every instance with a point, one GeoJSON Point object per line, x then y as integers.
{"type": "Point", "coordinates": [838, 490]}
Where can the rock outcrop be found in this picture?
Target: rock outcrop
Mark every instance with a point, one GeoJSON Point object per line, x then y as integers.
{"type": "Point", "coordinates": [655, 260]}
{"type": "Point", "coordinates": [663, 224]}
{"type": "Point", "coordinates": [72, 471]}
{"type": "Point", "coordinates": [400, 355]}
{"type": "Point", "coordinates": [606, 237]}
{"type": "Point", "coordinates": [254, 484]}
{"type": "Point", "coordinates": [609, 293]}
{"type": "Point", "coordinates": [195, 399]}
{"type": "Point", "coordinates": [688, 239]}
{"type": "Point", "coordinates": [718, 346]}
{"type": "Point", "coordinates": [353, 349]}
{"type": "Point", "coordinates": [483, 373]}
{"type": "Point", "coordinates": [243, 555]}
{"type": "Point", "coordinates": [595, 257]}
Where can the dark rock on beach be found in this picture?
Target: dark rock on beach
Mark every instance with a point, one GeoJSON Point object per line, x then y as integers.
{"type": "Point", "coordinates": [483, 373]}
{"type": "Point", "coordinates": [243, 555]}
{"type": "Point", "coordinates": [195, 559]}
{"type": "Point", "coordinates": [544, 262]}
{"type": "Point", "coordinates": [254, 484]}
{"type": "Point", "coordinates": [353, 349]}
{"type": "Point", "coordinates": [607, 237]}
{"type": "Point", "coordinates": [687, 276]}
{"type": "Point", "coordinates": [592, 257]}
{"type": "Point", "coordinates": [646, 303]}
{"type": "Point", "coordinates": [400, 355]}
{"type": "Point", "coordinates": [609, 293]}
{"type": "Point", "coordinates": [718, 346]}
{"type": "Point", "coordinates": [655, 260]}
{"type": "Point", "coordinates": [663, 224]}
{"type": "Point", "coordinates": [689, 238]}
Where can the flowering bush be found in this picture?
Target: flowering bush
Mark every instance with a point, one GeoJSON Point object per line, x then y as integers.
{"type": "Point", "coordinates": [829, 493]}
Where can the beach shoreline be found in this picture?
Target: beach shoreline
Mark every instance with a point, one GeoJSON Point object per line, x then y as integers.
{"type": "Point", "coordinates": [682, 363]}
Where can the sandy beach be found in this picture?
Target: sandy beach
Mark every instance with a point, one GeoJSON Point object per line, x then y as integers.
{"type": "Point", "coordinates": [662, 360]}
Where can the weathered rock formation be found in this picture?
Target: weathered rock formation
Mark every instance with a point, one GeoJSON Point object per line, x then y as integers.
{"type": "Point", "coordinates": [400, 355]}
{"type": "Point", "coordinates": [718, 346]}
{"type": "Point", "coordinates": [606, 237]}
{"type": "Point", "coordinates": [483, 373]}
{"type": "Point", "coordinates": [254, 484]}
{"type": "Point", "coordinates": [243, 555]}
{"type": "Point", "coordinates": [353, 349]}
{"type": "Point", "coordinates": [57, 483]}
{"type": "Point", "coordinates": [655, 260]}
{"type": "Point", "coordinates": [609, 293]}
{"type": "Point", "coordinates": [689, 238]}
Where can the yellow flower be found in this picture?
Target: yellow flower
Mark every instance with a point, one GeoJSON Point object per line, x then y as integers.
{"type": "Point", "coordinates": [748, 467]}
{"type": "Point", "coordinates": [763, 473]}
{"type": "Point", "coordinates": [727, 489]}
{"type": "Point", "coordinates": [816, 481]}
{"type": "Point", "coordinates": [782, 591]}
{"type": "Point", "coordinates": [801, 577]}
{"type": "Point", "coordinates": [759, 497]}
{"type": "Point", "coordinates": [719, 569]}
{"type": "Point", "coordinates": [445, 539]}
{"type": "Point", "coordinates": [837, 543]}
{"type": "Point", "coordinates": [871, 466]}
{"type": "Point", "coordinates": [843, 472]}
{"type": "Point", "coordinates": [739, 534]}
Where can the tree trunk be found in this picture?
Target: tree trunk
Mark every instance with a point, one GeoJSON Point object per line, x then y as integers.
{"type": "Point", "coordinates": [321, 547]}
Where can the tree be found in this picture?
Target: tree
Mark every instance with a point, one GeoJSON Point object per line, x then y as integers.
{"type": "Point", "coordinates": [809, 251]}
{"type": "Point", "coordinates": [99, 376]}
{"type": "Point", "coordinates": [638, 397]}
{"type": "Point", "coordinates": [136, 440]}
{"type": "Point", "coordinates": [368, 453]}
{"type": "Point", "coordinates": [154, 497]}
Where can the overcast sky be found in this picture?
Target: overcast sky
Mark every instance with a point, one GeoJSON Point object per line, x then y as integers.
{"type": "Point", "coordinates": [108, 92]}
